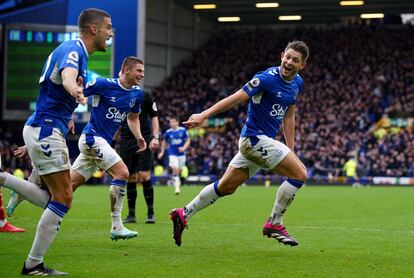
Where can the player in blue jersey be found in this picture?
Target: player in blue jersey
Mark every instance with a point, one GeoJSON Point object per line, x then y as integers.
{"type": "Point", "coordinates": [113, 100]}
{"type": "Point", "coordinates": [60, 91]}
{"type": "Point", "coordinates": [178, 141]}
{"type": "Point", "coordinates": [271, 97]}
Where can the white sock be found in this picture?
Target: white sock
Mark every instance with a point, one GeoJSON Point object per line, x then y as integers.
{"type": "Point", "coordinates": [30, 191]}
{"type": "Point", "coordinates": [206, 197]}
{"type": "Point", "coordinates": [284, 197]}
{"type": "Point", "coordinates": [46, 231]}
{"type": "Point", "coordinates": [116, 195]}
{"type": "Point", "coordinates": [2, 223]}
{"type": "Point", "coordinates": [177, 183]}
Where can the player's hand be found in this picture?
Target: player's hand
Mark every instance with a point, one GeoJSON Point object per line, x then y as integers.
{"type": "Point", "coordinates": [21, 151]}
{"type": "Point", "coordinates": [160, 155]}
{"type": "Point", "coordinates": [142, 145]}
{"type": "Point", "coordinates": [181, 149]}
{"type": "Point", "coordinates": [84, 101]}
{"type": "Point", "coordinates": [154, 144]}
{"type": "Point", "coordinates": [195, 120]}
{"type": "Point", "coordinates": [71, 126]}
{"type": "Point", "coordinates": [77, 93]}
{"type": "Point", "coordinates": [79, 81]}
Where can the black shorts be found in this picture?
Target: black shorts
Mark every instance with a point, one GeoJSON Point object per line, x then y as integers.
{"type": "Point", "coordinates": [136, 162]}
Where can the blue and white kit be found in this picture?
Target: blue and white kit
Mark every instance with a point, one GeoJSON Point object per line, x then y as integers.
{"type": "Point", "coordinates": [111, 103]}
{"type": "Point", "coordinates": [45, 130]}
{"type": "Point", "coordinates": [269, 98]}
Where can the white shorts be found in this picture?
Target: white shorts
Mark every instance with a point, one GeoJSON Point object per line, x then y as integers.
{"type": "Point", "coordinates": [265, 154]}
{"type": "Point", "coordinates": [95, 154]}
{"type": "Point", "coordinates": [47, 149]}
{"type": "Point", "coordinates": [175, 161]}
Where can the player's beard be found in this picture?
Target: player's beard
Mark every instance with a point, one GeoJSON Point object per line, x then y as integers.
{"type": "Point", "coordinates": [288, 74]}
{"type": "Point", "coordinates": [102, 46]}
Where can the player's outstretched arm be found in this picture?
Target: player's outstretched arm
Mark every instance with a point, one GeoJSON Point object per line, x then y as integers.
{"type": "Point", "coordinates": [135, 127]}
{"type": "Point", "coordinates": [72, 83]}
{"type": "Point", "coordinates": [225, 104]}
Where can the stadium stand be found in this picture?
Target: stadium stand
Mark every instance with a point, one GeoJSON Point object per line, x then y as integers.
{"type": "Point", "coordinates": [358, 100]}
{"type": "Point", "coordinates": [347, 91]}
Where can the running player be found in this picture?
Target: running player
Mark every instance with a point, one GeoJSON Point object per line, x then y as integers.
{"type": "Point", "coordinates": [177, 140]}
{"type": "Point", "coordinates": [113, 100]}
{"type": "Point", "coordinates": [60, 91]}
{"type": "Point", "coordinates": [271, 97]}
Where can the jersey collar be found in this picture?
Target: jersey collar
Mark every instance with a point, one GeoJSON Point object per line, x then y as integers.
{"type": "Point", "coordinates": [84, 47]}
{"type": "Point", "coordinates": [120, 85]}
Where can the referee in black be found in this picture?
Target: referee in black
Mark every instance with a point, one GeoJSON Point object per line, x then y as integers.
{"type": "Point", "coordinates": [140, 164]}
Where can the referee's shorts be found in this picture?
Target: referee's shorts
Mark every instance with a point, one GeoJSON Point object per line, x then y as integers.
{"type": "Point", "coordinates": [136, 162]}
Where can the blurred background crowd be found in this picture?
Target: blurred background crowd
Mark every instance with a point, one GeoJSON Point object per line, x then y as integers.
{"type": "Point", "coordinates": [357, 105]}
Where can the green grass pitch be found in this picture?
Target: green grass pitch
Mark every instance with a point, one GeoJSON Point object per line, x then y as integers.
{"type": "Point", "coordinates": [343, 232]}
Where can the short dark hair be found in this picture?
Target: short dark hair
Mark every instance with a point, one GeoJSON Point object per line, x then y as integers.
{"type": "Point", "coordinates": [130, 61]}
{"type": "Point", "coordinates": [91, 16]}
{"type": "Point", "coordinates": [174, 118]}
{"type": "Point", "coordinates": [299, 46]}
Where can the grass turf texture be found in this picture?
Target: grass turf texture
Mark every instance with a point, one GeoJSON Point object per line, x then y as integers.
{"type": "Point", "coordinates": [343, 232]}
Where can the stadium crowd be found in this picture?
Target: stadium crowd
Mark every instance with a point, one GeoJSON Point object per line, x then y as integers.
{"type": "Point", "coordinates": [347, 91]}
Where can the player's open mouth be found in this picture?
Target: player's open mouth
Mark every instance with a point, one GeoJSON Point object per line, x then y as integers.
{"type": "Point", "coordinates": [287, 70]}
{"type": "Point", "coordinates": [108, 42]}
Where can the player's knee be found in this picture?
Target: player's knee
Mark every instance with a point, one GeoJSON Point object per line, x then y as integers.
{"type": "Point", "coordinates": [144, 176]}
{"type": "Point", "coordinates": [122, 175]}
{"type": "Point", "coordinates": [65, 198]}
{"type": "Point", "coordinates": [227, 188]}
{"type": "Point", "coordinates": [302, 174]}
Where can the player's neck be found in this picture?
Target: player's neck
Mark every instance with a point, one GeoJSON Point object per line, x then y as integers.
{"type": "Point", "coordinates": [124, 83]}
{"type": "Point", "coordinates": [89, 45]}
{"type": "Point", "coordinates": [288, 79]}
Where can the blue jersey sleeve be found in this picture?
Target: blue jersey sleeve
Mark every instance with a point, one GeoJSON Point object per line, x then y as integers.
{"type": "Point", "coordinates": [94, 87]}
{"type": "Point", "coordinates": [300, 86]}
{"type": "Point", "coordinates": [256, 85]}
{"type": "Point", "coordinates": [165, 136]}
{"type": "Point", "coordinates": [70, 57]}
{"type": "Point", "coordinates": [138, 100]}
{"type": "Point", "coordinates": [300, 89]}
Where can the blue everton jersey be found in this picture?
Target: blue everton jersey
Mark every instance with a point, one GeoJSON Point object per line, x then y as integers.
{"type": "Point", "coordinates": [175, 139]}
{"type": "Point", "coordinates": [270, 97]}
{"type": "Point", "coordinates": [54, 105]}
{"type": "Point", "coordinates": [111, 104]}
